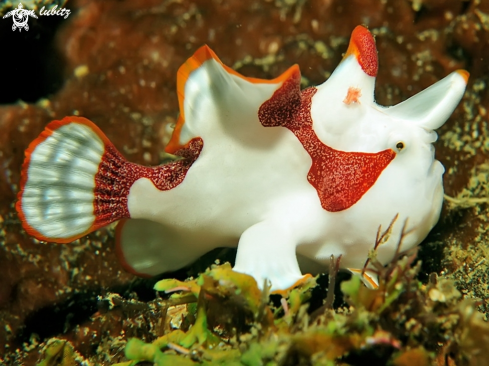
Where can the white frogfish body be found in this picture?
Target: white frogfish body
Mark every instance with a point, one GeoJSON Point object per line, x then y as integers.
{"type": "Point", "coordinates": [283, 173]}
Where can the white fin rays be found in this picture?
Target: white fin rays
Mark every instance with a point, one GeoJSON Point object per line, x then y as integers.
{"type": "Point", "coordinates": [57, 196]}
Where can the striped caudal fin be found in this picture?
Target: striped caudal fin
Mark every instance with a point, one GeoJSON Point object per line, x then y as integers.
{"type": "Point", "coordinates": [62, 192]}
{"type": "Point", "coordinates": [74, 181]}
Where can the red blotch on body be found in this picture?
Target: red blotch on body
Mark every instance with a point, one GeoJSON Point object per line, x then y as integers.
{"type": "Point", "coordinates": [340, 178]}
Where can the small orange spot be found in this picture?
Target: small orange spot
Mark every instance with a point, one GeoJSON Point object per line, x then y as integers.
{"type": "Point", "coordinates": [353, 95]}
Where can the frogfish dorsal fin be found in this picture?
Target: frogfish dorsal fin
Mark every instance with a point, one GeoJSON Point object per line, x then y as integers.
{"type": "Point", "coordinates": [216, 102]}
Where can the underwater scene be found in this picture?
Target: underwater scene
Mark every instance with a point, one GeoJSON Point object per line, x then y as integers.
{"type": "Point", "coordinates": [227, 182]}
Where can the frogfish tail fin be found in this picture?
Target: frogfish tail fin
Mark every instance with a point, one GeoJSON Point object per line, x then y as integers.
{"type": "Point", "coordinates": [71, 182]}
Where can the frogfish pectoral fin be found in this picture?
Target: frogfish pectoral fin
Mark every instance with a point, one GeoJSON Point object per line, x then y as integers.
{"type": "Point", "coordinates": [267, 252]}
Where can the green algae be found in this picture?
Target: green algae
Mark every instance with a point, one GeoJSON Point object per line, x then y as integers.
{"type": "Point", "coordinates": [58, 352]}
{"type": "Point", "coordinates": [403, 322]}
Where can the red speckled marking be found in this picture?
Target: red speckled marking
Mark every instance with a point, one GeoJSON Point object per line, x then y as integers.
{"type": "Point", "coordinates": [340, 178]}
{"type": "Point", "coordinates": [362, 45]}
{"type": "Point", "coordinates": [116, 176]}
{"type": "Point", "coordinates": [113, 179]}
{"type": "Point", "coordinates": [202, 55]}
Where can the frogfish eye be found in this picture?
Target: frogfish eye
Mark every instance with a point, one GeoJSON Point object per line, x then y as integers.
{"type": "Point", "coordinates": [400, 145]}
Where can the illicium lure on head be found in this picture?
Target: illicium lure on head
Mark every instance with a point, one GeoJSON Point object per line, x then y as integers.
{"type": "Point", "coordinates": [283, 173]}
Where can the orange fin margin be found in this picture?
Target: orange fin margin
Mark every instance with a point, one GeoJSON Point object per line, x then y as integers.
{"type": "Point", "coordinates": [365, 277]}
{"type": "Point", "coordinates": [200, 56]}
{"type": "Point", "coordinates": [47, 132]}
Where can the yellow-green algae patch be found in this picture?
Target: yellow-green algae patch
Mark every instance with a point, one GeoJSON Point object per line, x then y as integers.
{"type": "Point", "coordinates": [59, 352]}
{"type": "Point", "coordinates": [402, 323]}
{"type": "Point", "coordinates": [465, 258]}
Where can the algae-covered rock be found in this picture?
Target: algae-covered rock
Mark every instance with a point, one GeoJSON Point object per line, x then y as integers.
{"type": "Point", "coordinates": [402, 323]}
{"type": "Point", "coordinates": [117, 65]}
{"type": "Point", "coordinates": [59, 352]}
